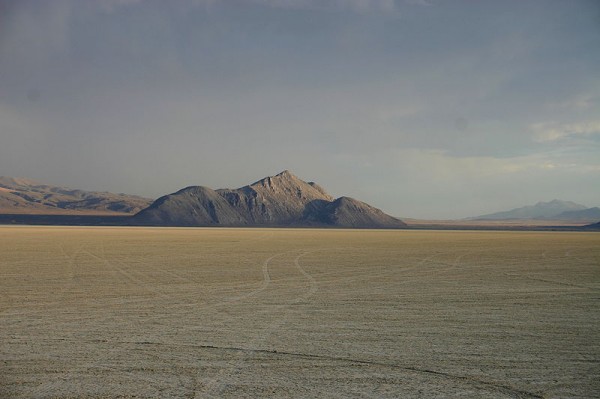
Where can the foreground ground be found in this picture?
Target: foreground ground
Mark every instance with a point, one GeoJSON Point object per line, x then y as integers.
{"type": "Point", "coordinates": [194, 313]}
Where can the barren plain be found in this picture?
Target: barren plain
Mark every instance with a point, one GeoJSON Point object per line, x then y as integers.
{"type": "Point", "coordinates": [231, 313]}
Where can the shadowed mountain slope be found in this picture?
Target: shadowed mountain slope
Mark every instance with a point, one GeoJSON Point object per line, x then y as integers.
{"type": "Point", "coordinates": [281, 200]}
{"type": "Point", "coordinates": [191, 206]}
{"type": "Point", "coordinates": [24, 196]}
{"type": "Point", "coordinates": [348, 212]}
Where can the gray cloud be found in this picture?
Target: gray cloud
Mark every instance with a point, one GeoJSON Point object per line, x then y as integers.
{"type": "Point", "coordinates": [406, 106]}
{"type": "Point", "coordinates": [353, 5]}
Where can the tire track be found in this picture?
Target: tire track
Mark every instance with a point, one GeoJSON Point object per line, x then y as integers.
{"type": "Point", "coordinates": [567, 254]}
{"type": "Point", "coordinates": [313, 283]}
{"type": "Point", "coordinates": [429, 261]}
{"type": "Point", "coordinates": [266, 281]}
{"type": "Point", "coordinates": [493, 385]}
{"type": "Point", "coordinates": [60, 293]}
{"type": "Point", "coordinates": [264, 284]}
{"type": "Point", "coordinates": [218, 384]}
{"type": "Point", "coordinates": [487, 384]}
{"type": "Point", "coordinates": [128, 275]}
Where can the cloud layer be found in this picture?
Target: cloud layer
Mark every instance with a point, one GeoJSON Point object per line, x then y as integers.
{"type": "Point", "coordinates": [426, 109]}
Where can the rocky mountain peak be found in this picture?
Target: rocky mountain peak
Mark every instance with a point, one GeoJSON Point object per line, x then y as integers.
{"type": "Point", "coordinates": [285, 186]}
{"type": "Point", "coordinates": [286, 174]}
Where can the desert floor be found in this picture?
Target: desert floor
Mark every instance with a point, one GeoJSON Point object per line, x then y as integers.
{"type": "Point", "coordinates": [193, 313]}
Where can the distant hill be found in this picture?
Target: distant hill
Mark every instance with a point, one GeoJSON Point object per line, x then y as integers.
{"type": "Point", "coordinates": [541, 210]}
{"type": "Point", "coordinates": [281, 200]}
{"type": "Point", "coordinates": [24, 196]}
{"type": "Point", "coordinates": [588, 214]}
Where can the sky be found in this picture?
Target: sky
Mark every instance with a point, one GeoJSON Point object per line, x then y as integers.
{"type": "Point", "coordinates": [430, 109]}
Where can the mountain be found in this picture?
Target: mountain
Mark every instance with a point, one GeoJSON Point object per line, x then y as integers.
{"type": "Point", "coordinates": [541, 210]}
{"type": "Point", "coordinates": [589, 214]}
{"type": "Point", "coordinates": [281, 200]}
{"type": "Point", "coordinates": [24, 196]}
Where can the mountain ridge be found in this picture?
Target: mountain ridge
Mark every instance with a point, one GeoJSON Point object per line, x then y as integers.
{"type": "Point", "coordinates": [540, 210]}
{"type": "Point", "coordinates": [22, 195]}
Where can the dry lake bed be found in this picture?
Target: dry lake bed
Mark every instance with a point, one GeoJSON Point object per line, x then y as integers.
{"type": "Point", "coordinates": [234, 313]}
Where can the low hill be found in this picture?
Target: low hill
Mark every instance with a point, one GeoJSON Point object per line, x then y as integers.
{"type": "Point", "coordinates": [541, 210]}
{"type": "Point", "coordinates": [24, 196]}
{"type": "Point", "coordinates": [281, 200]}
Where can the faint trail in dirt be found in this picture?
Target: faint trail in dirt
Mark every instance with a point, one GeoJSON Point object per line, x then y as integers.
{"type": "Point", "coordinates": [71, 264]}
{"type": "Point", "coordinates": [266, 280]}
{"type": "Point", "coordinates": [418, 268]}
{"type": "Point", "coordinates": [368, 272]}
{"type": "Point", "coordinates": [263, 286]}
{"type": "Point", "coordinates": [263, 237]}
{"type": "Point", "coordinates": [171, 273]}
{"type": "Point", "coordinates": [529, 277]}
{"type": "Point", "coordinates": [506, 389]}
{"type": "Point", "coordinates": [485, 384]}
{"type": "Point", "coordinates": [150, 266]}
{"type": "Point", "coordinates": [313, 283]}
{"type": "Point", "coordinates": [567, 254]}
{"type": "Point", "coordinates": [128, 275]}
{"type": "Point", "coordinates": [218, 384]}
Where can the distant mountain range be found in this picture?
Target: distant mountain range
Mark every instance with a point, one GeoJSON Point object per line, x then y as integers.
{"type": "Point", "coordinates": [553, 210]}
{"type": "Point", "coordinates": [281, 200]}
{"type": "Point", "coordinates": [24, 196]}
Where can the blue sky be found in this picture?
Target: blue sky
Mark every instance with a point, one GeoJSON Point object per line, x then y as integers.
{"type": "Point", "coordinates": [429, 109]}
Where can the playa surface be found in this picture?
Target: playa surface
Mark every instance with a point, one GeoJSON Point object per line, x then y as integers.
{"type": "Point", "coordinates": [93, 312]}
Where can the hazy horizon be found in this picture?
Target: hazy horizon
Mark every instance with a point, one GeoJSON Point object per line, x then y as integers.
{"type": "Point", "coordinates": [423, 108]}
